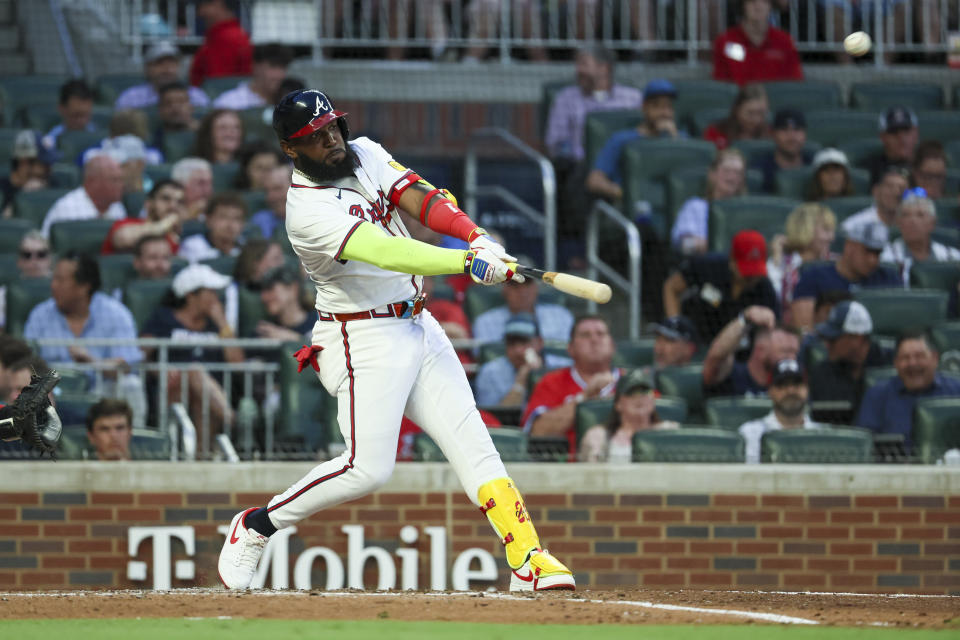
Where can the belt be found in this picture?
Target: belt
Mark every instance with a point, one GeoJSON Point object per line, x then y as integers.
{"type": "Point", "coordinates": [402, 309]}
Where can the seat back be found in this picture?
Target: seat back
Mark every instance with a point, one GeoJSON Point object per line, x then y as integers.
{"type": "Point", "coordinates": [213, 87]}
{"type": "Point", "coordinates": [837, 445]}
{"type": "Point", "coordinates": [846, 206]}
{"type": "Point", "coordinates": [731, 412]}
{"type": "Point", "coordinates": [34, 205]}
{"type": "Point", "coordinates": [880, 96]}
{"type": "Point", "coordinates": [116, 270]}
{"type": "Point", "coordinates": [221, 264]}
{"type": "Point", "coordinates": [426, 450]}
{"type": "Point", "coordinates": [944, 276]}
{"type": "Point", "coordinates": [22, 297]}
{"type": "Point", "coordinates": [695, 444]}
{"type": "Point", "coordinates": [831, 127]}
{"type": "Point", "coordinates": [510, 443]}
{"type": "Point", "coordinates": [766, 214]}
{"type": "Point", "coordinates": [548, 93]}
{"type": "Point", "coordinates": [946, 337]}
{"type": "Point", "coordinates": [939, 125]}
{"type": "Point", "coordinates": [936, 428]}
{"type": "Point", "coordinates": [250, 311]}
{"type": "Point", "coordinates": [223, 176]}
{"type": "Point", "coordinates": [634, 353]}
{"type": "Point", "coordinates": [876, 375]}
{"type": "Point", "coordinates": [646, 163]}
{"type": "Point", "coordinates": [600, 125]}
{"type": "Point", "coordinates": [860, 151]}
{"type": "Point", "coordinates": [72, 143]}
{"type": "Point", "coordinates": [149, 444]}
{"type": "Point", "coordinates": [591, 412]}
{"type": "Point", "coordinates": [178, 144]}
{"type": "Point", "coordinates": [894, 310]}
{"type": "Point", "coordinates": [684, 382]}
{"type": "Point", "coordinates": [85, 236]}
{"type": "Point", "coordinates": [110, 86]}
{"type": "Point", "coordinates": [142, 297]}
{"type": "Point", "coordinates": [804, 95]}
{"type": "Point", "coordinates": [696, 95]}
{"type": "Point", "coordinates": [480, 299]}
{"type": "Point", "coordinates": [12, 231]}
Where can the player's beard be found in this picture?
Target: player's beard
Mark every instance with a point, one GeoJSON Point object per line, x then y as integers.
{"type": "Point", "coordinates": [326, 172]}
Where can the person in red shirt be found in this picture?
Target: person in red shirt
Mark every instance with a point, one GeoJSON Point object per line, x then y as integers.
{"type": "Point", "coordinates": [552, 405]}
{"type": "Point", "coordinates": [226, 48]}
{"type": "Point", "coordinates": [753, 51]}
{"type": "Point", "coordinates": [747, 119]}
{"type": "Point", "coordinates": [166, 209]}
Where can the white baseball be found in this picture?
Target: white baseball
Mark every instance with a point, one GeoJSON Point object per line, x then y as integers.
{"type": "Point", "coordinates": [857, 43]}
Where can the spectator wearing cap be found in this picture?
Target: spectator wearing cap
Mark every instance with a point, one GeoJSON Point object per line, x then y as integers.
{"type": "Point", "coordinates": [281, 292]}
{"type": "Point", "coordinates": [789, 393]}
{"type": "Point", "coordinates": [226, 49]}
{"type": "Point", "coordinates": [713, 290]}
{"type": "Point", "coordinates": [858, 267]}
{"type": "Point", "coordinates": [899, 135]}
{"type": "Point", "coordinates": [659, 120]}
{"type": "Point", "coordinates": [553, 320]}
{"type": "Point", "coordinates": [916, 219]}
{"type": "Point", "coordinates": [676, 342]}
{"type": "Point", "coordinates": [131, 154]}
{"type": "Point", "coordinates": [836, 384]}
{"type": "Point", "coordinates": [98, 197]}
{"type": "Point", "coordinates": [929, 168]}
{"type": "Point", "coordinates": [755, 51]}
{"type": "Point", "coordinates": [166, 209]}
{"type": "Point", "coordinates": [76, 111]}
{"type": "Point", "coordinates": [225, 215]}
{"type": "Point", "coordinates": [726, 178]}
{"type": "Point", "coordinates": [723, 375]}
{"type": "Point", "coordinates": [634, 409]}
{"type": "Point", "coordinates": [831, 176]}
{"type": "Point", "coordinates": [30, 163]}
{"type": "Point", "coordinates": [270, 62]}
{"type": "Point", "coordinates": [888, 406]}
{"type": "Point", "coordinates": [810, 228]}
{"type": "Point", "coordinates": [789, 137]}
{"type": "Point", "coordinates": [126, 141]}
{"type": "Point", "coordinates": [195, 313]}
{"type": "Point", "coordinates": [503, 380]}
{"type": "Point", "coordinates": [887, 193]}
{"type": "Point", "coordinates": [161, 66]}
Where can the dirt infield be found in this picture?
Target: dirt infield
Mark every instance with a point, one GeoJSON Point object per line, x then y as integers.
{"type": "Point", "coordinates": [624, 607]}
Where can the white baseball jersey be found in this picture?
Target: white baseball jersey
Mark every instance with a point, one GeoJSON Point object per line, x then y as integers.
{"type": "Point", "coordinates": [322, 217]}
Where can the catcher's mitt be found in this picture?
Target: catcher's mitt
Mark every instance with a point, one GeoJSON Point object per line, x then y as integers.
{"type": "Point", "coordinates": [31, 418]}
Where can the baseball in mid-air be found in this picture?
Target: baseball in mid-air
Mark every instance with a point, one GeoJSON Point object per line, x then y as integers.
{"type": "Point", "coordinates": [857, 43]}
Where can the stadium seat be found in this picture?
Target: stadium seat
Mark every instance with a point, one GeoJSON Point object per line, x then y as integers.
{"type": "Point", "coordinates": [688, 445]}
{"type": "Point", "coordinates": [831, 127]}
{"type": "Point", "coordinates": [149, 444]}
{"type": "Point", "coordinates": [22, 90]}
{"type": "Point", "coordinates": [11, 231]}
{"type": "Point", "coordinates": [64, 175]}
{"type": "Point", "coordinates": [85, 236]}
{"type": "Point", "coordinates": [8, 266]}
{"type": "Point", "coordinates": [116, 270]}
{"type": "Point", "coordinates": [862, 150]}
{"type": "Point", "coordinates": [946, 337]}
{"type": "Point", "coordinates": [548, 94]}
{"type": "Point", "coordinates": [7, 135]}
{"type": "Point", "coordinates": [510, 443]}
{"type": "Point", "coordinates": [766, 214]}
{"type": "Point", "coordinates": [702, 119]}
{"type": "Point", "coordinates": [22, 296]}
{"type": "Point", "coordinates": [952, 149]}
{"type": "Point", "coordinates": [684, 382]}
{"type": "Point", "coordinates": [880, 96]}
{"type": "Point", "coordinates": [681, 185]}
{"type": "Point", "coordinates": [480, 299]}
{"type": "Point", "coordinates": [221, 264]}
{"type": "Point", "coordinates": [223, 176]}
{"type": "Point", "coordinates": [805, 95]}
{"type": "Point", "coordinates": [936, 428]}
{"type": "Point", "coordinates": [948, 210]}
{"type": "Point", "coordinates": [753, 150]}
{"type": "Point", "coordinates": [158, 172]}
{"type": "Point", "coordinates": [731, 412]}
{"type": "Point", "coordinates": [426, 450]}
{"type": "Point", "coordinates": [304, 405]}
{"type": "Point", "coordinates": [178, 145]}
{"type": "Point", "coordinates": [894, 310]}
{"type": "Point", "coordinates": [133, 203]}
{"type": "Point", "coordinates": [72, 143]}
{"type": "Point", "coordinates": [74, 407]}
{"type": "Point", "coordinates": [192, 228]}
{"type": "Point", "coordinates": [256, 200]}
{"type": "Point", "coordinates": [7, 113]}
{"type": "Point", "coordinates": [110, 86]}
{"type": "Point", "coordinates": [600, 125]}
{"type": "Point", "coordinates": [935, 275]}
{"type": "Point", "coordinates": [74, 444]}
{"type": "Point", "coordinates": [593, 412]}
{"type": "Point", "coordinates": [846, 206]}
{"type": "Point", "coordinates": [72, 381]}
{"type": "Point", "coordinates": [215, 86]}
{"type": "Point", "coordinates": [696, 95]}
{"type": "Point", "coordinates": [250, 312]}
{"type": "Point", "coordinates": [255, 128]}
{"type": "Point", "coordinates": [939, 125]}
{"type": "Point", "coordinates": [142, 297]}
{"type": "Point", "coordinates": [836, 445]}
{"type": "Point", "coordinates": [34, 205]}
{"type": "Point", "coordinates": [876, 375]}
{"type": "Point", "coordinates": [793, 183]}
{"type": "Point", "coordinates": [634, 353]}
{"type": "Point", "coordinates": [671, 408]}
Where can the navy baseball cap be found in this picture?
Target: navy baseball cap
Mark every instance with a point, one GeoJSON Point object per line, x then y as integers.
{"type": "Point", "coordinates": [789, 118]}
{"type": "Point", "coordinates": [897, 119]}
{"type": "Point", "coordinates": [847, 317]}
{"type": "Point", "coordinates": [676, 328]}
{"type": "Point", "coordinates": [659, 87]}
{"type": "Point", "coordinates": [786, 372]}
{"type": "Point", "coordinates": [29, 145]}
{"type": "Point", "coordinates": [873, 235]}
{"type": "Point", "coordinates": [521, 325]}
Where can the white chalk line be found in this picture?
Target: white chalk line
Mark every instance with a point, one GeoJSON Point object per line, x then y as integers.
{"type": "Point", "coordinates": [835, 593]}
{"type": "Point", "coordinates": [768, 617]}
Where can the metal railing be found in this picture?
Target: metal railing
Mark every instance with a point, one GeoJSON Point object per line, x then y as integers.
{"type": "Point", "coordinates": [499, 28]}
{"type": "Point", "coordinates": [547, 219]}
{"type": "Point", "coordinates": [631, 285]}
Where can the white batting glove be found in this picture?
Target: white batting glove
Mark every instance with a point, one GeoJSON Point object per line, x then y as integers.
{"type": "Point", "coordinates": [486, 268]}
{"type": "Point", "coordinates": [486, 242]}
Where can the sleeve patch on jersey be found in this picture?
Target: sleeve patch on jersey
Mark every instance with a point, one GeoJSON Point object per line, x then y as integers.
{"type": "Point", "coordinates": [396, 165]}
{"type": "Point", "coordinates": [401, 185]}
{"type": "Point", "coordinates": [345, 239]}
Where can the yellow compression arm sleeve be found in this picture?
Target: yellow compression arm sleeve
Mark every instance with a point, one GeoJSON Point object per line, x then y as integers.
{"type": "Point", "coordinates": [406, 255]}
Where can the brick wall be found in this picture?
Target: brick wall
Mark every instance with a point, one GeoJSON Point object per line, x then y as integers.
{"type": "Point", "coordinates": [895, 543]}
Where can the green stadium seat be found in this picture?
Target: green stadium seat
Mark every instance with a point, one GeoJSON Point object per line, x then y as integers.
{"type": "Point", "coordinates": [142, 297]}
{"type": "Point", "coordinates": [684, 382]}
{"type": "Point", "coordinates": [480, 299]}
{"type": "Point", "coordinates": [74, 444]}
{"type": "Point", "coordinates": [110, 86]}
{"type": "Point", "coordinates": [600, 125]}
{"type": "Point", "coordinates": [948, 210]}
{"type": "Point", "coordinates": [256, 200]}
{"type": "Point", "coordinates": [304, 404]}
{"type": "Point", "coordinates": [593, 412]}
{"type": "Point", "coordinates": [880, 96]}
{"type": "Point", "coordinates": [215, 86]}
{"type": "Point", "coordinates": [876, 375]}
{"type": "Point", "coordinates": [895, 310]}
{"type": "Point", "coordinates": [22, 90]}
{"type": "Point", "coordinates": [936, 428]}
{"type": "Point", "coordinates": [221, 264]}
{"type": "Point", "coordinates": [7, 135]}
{"type": "Point", "coordinates": [85, 236]}
{"type": "Point", "coordinates": [250, 312]}
{"type": "Point", "coordinates": [178, 145]}
{"type": "Point", "coordinates": [22, 297]}
{"type": "Point", "coordinates": [793, 183]}
{"type": "Point", "coordinates": [939, 125]}
{"type": "Point", "coordinates": [8, 267]}
{"type": "Point", "coordinates": [935, 275]}
{"type": "Point", "coordinates": [11, 231]}
{"type": "Point", "coordinates": [766, 214]}
{"type": "Point", "coordinates": [671, 408]}
{"type": "Point", "coordinates": [731, 412]}
{"type": "Point", "coordinates": [255, 128]}
{"type": "Point", "coordinates": [862, 150]}
{"type": "Point", "coordinates": [7, 112]}
{"type": "Point", "coordinates": [831, 127]}
{"type": "Point", "coordinates": [701, 120]}
{"type": "Point", "coordinates": [696, 95]}
{"type": "Point", "coordinates": [510, 443]}
{"type": "Point", "coordinates": [846, 206]}
{"type": "Point", "coordinates": [134, 202]}
{"type": "Point", "coordinates": [837, 445]}
{"type": "Point", "coordinates": [192, 228]}
{"type": "Point", "coordinates": [72, 143]}
{"type": "Point", "coordinates": [158, 172]}
{"type": "Point", "coordinates": [946, 337]}
{"type": "Point", "coordinates": [72, 381]}
{"type": "Point", "coordinates": [116, 270]}
{"type": "Point", "coordinates": [548, 94]}
{"type": "Point", "coordinates": [634, 353]}
{"type": "Point", "coordinates": [426, 450]}
{"type": "Point", "coordinates": [804, 95]}
{"type": "Point", "coordinates": [149, 444]}
{"type": "Point", "coordinates": [74, 407]}
{"type": "Point", "coordinates": [952, 148]}
{"type": "Point", "coordinates": [34, 205]}
{"type": "Point", "coordinates": [688, 445]}
{"type": "Point", "coordinates": [224, 175]}
{"type": "Point", "coordinates": [65, 176]}
{"type": "Point", "coordinates": [681, 185]}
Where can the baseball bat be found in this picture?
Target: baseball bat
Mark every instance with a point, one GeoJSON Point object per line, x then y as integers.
{"type": "Point", "coordinates": [574, 285]}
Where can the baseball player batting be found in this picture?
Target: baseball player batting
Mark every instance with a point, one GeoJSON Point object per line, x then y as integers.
{"type": "Point", "coordinates": [374, 346]}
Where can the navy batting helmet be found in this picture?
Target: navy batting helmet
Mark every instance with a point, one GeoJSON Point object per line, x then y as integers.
{"type": "Point", "coordinates": [300, 113]}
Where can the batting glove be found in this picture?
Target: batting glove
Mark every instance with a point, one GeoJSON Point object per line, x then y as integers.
{"type": "Point", "coordinates": [486, 268]}
{"type": "Point", "coordinates": [486, 242]}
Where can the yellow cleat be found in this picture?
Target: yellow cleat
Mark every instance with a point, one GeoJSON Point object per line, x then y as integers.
{"type": "Point", "coordinates": [542, 572]}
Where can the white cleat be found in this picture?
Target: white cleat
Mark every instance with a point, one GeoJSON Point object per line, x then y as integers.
{"type": "Point", "coordinates": [240, 554]}
{"type": "Point", "coordinates": [542, 572]}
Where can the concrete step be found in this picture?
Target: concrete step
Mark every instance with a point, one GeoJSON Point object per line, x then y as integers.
{"type": "Point", "coordinates": [14, 63]}
{"type": "Point", "coordinates": [9, 38]}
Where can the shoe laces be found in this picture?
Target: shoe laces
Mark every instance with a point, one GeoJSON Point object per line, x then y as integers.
{"type": "Point", "coordinates": [253, 544]}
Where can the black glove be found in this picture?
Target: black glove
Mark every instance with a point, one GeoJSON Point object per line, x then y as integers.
{"type": "Point", "coordinates": [31, 418]}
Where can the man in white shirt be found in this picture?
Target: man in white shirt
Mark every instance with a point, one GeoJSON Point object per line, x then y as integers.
{"type": "Point", "coordinates": [270, 62]}
{"type": "Point", "coordinates": [98, 197]}
{"type": "Point", "coordinates": [916, 218]}
{"type": "Point", "coordinates": [886, 193]}
{"type": "Point", "coordinates": [788, 391]}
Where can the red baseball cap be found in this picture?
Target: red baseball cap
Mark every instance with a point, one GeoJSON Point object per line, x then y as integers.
{"type": "Point", "coordinates": [749, 251]}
